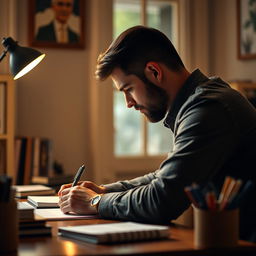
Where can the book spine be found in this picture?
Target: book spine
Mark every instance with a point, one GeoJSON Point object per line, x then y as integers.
{"type": "Point", "coordinates": [20, 173]}
{"type": "Point", "coordinates": [2, 156]}
{"type": "Point", "coordinates": [2, 107]}
{"type": "Point", "coordinates": [36, 156]}
{"type": "Point", "coordinates": [44, 157]}
{"type": "Point", "coordinates": [28, 160]}
{"type": "Point", "coordinates": [50, 158]}
{"type": "Point", "coordinates": [17, 149]}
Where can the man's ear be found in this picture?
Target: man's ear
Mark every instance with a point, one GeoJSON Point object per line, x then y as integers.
{"type": "Point", "coordinates": [153, 72]}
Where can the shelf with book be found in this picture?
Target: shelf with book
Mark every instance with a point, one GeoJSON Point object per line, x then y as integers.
{"type": "Point", "coordinates": [33, 157]}
{"type": "Point", "coordinates": [7, 125]}
{"type": "Point", "coordinates": [247, 88]}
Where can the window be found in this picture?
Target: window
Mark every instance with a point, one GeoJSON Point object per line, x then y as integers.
{"type": "Point", "coordinates": [134, 136]}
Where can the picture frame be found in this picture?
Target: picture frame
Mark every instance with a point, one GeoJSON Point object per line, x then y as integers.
{"type": "Point", "coordinates": [56, 23]}
{"type": "Point", "coordinates": [246, 13]}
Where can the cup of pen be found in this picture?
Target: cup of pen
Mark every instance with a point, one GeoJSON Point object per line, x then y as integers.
{"type": "Point", "coordinates": [215, 229]}
{"type": "Point", "coordinates": [216, 219]}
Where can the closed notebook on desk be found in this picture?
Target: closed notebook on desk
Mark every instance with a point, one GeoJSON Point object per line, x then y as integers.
{"type": "Point", "coordinates": [33, 190]}
{"type": "Point", "coordinates": [115, 232]}
{"type": "Point", "coordinates": [44, 201]}
{"type": "Point", "coordinates": [25, 211]}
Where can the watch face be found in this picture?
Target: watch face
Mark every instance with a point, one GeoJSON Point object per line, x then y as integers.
{"type": "Point", "coordinates": [95, 200]}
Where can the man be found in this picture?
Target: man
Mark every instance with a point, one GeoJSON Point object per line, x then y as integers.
{"type": "Point", "coordinates": [214, 131]}
{"type": "Point", "coordinates": [58, 30]}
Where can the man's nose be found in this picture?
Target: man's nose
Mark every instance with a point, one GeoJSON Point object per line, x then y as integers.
{"type": "Point", "coordinates": [130, 102]}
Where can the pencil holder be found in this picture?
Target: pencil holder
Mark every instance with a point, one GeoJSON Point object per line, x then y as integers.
{"type": "Point", "coordinates": [213, 229]}
{"type": "Point", "coordinates": [9, 226]}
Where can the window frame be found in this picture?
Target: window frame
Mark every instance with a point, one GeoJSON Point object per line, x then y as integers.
{"type": "Point", "coordinates": [126, 166]}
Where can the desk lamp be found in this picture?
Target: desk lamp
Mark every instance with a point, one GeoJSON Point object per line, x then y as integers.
{"type": "Point", "coordinates": [22, 59]}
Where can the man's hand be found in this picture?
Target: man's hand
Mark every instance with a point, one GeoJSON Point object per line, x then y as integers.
{"type": "Point", "coordinates": [77, 199]}
{"type": "Point", "coordinates": [87, 184]}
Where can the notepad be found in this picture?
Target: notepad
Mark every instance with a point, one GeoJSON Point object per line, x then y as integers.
{"type": "Point", "coordinates": [56, 214]}
{"type": "Point", "coordinates": [33, 190]}
{"type": "Point", "coordinates": [25, 211]}
{"type": "Point", "coordinates": [115, 232]}
{"type": "Point", "coordinates": [44, 201]}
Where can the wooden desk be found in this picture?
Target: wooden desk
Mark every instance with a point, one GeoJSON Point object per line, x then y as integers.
{"type": "Point", "coordinates": [180, 243]}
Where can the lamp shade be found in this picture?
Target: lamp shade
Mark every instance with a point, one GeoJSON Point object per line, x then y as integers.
{"type": "Point", "coordinates": [22, 59]}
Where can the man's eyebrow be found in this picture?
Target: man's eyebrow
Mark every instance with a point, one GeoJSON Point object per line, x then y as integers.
{"type": "Point", "coordinates": [122, 87]}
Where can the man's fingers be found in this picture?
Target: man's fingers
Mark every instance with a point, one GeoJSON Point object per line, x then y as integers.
{"type": "Point", "coordinates": [93, 186]}
{"type": "Point", "coordinates": [66, 208]}
{"type": "Point", "coordinates": [63, 187]}
{"type": "Point", "coordinates": [65, 191]}
{"type": "Point", "coordinates": [67, 186]}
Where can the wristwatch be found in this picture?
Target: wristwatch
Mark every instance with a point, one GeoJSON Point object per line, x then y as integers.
{"type": "Point", "coordinates": [95, 201]}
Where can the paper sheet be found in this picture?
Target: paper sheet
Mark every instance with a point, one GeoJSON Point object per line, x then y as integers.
{"type": "Point", "coordinates": [57, 214]}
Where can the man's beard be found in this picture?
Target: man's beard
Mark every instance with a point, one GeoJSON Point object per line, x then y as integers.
{"type": "Point", "coordinates": [157, 105]}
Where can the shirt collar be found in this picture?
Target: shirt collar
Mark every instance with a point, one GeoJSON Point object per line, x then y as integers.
{"type": "Point", "coordinates": [196, 78]}
{"type": "Point", "coordinates": [59, 25]}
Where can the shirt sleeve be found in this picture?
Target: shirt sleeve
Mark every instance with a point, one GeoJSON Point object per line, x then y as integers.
{"type": "Point", "coordinates": [204, 137]}
{"type": "Point", "coordinates": [129, 184]}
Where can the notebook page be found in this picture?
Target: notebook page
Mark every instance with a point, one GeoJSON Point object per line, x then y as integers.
{"type": "Point", "coordinates": [57, 214]}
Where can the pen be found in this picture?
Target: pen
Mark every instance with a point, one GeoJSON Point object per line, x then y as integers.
{"type": "Point", "coordinates": [198, 195]}
{"type": "Point", "coordinates": [226, 195]}
{"type": "Point", "coordinates": [234, 194]}
{"type": "Point", "coordinates": [211, 200]}
{"type": "Point", "coordinates": [227, 181]}
{"type": "Point", "coordinates": [78, 175]}
{"type": "Point", "coordinates": [247, 188]}
{"type": "Point", "coordinates": [190, 196]}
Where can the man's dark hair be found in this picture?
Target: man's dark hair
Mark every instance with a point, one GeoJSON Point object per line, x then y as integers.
{"type": "Point", "coordinates": [133, 49]}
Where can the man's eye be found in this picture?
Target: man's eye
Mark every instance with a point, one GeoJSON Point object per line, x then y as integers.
{"type": "Point", "coordinates": [129, 89]}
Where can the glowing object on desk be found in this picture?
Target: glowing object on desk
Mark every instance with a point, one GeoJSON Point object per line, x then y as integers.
{"type": "Point", "coordinates": [70, 248]}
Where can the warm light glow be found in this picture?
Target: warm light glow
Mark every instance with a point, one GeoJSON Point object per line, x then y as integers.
{"type": "Point", "coordinates": [70, 248]}
{"type": "Point", "coordinates": [30, 66]}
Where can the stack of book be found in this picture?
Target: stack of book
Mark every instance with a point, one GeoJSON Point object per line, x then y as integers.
{"type": "Point", "coordinates": [25, 211]}
{"type": "Point", "coordinates": [33, 228]}
{"type": "Point", "coordinates": [28, 226]}
{"type": "Point", "coordinates": [53, 180]}
{"type": "Point", "coordinates": [22, 191]}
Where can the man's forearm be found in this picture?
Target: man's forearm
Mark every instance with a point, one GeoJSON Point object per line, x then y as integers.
{"type": "Point", "coordinates": [124, 185]}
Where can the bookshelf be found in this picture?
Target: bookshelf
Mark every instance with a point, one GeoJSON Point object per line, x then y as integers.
{"type": "Point", "coordinates": [7, 125]}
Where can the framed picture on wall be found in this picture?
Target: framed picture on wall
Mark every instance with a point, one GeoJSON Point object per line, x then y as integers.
{"type": "Point", "coordinates": [246, 13]}
{"type": "Point", "coordinates": [56, 23]}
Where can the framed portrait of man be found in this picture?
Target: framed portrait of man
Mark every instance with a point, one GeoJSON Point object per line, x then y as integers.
{"type": "Point", "coordinates": [246, 14]}
{"type": "Point", "coordinates": [56, 23]}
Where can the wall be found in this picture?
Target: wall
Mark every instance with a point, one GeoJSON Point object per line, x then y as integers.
{"type": "Point", "coordinates": [54, 100]}
{"type": "Point", "coordinates": [223, 43]}
{"type": "Point", "coordinates": [61, 100]}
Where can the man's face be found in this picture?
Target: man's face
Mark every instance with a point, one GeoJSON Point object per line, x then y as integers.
{"type": "Point", "coordinates": [62, 10]}
{"type": "Point", "coordinates": [144, 96]}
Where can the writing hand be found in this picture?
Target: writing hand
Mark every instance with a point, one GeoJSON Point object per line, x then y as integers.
{"type": "Point", "coordinates": [78, 200]}
{"type": "Point", "coordinates": [86, 184]}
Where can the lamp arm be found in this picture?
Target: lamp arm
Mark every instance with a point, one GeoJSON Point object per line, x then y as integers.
{"type": "Point", "coordinates": [3, 55]}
